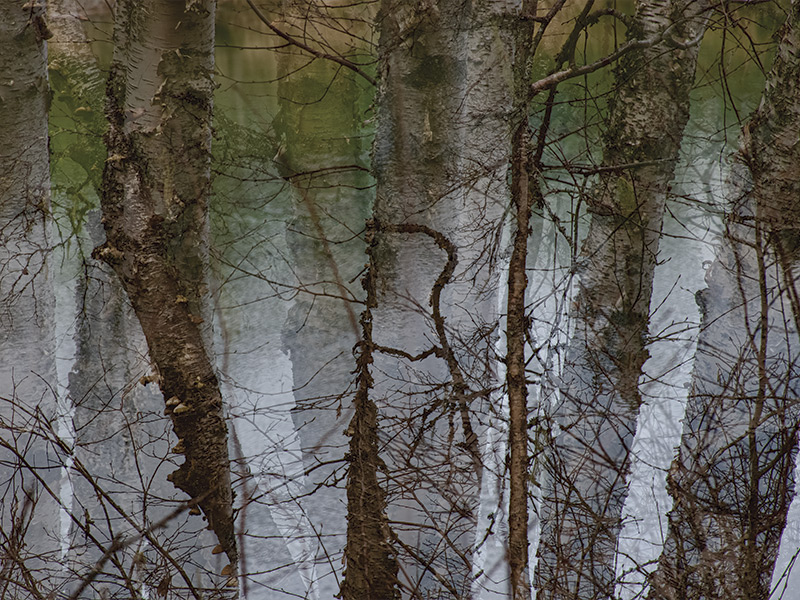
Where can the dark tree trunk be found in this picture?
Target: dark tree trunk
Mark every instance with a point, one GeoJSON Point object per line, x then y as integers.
{"type": "Point", "coordinates": [371, 563]}
{"type": "Point", "coordinates": [523, 181]}
{"type": "Point", "coordinates": [155, 203]}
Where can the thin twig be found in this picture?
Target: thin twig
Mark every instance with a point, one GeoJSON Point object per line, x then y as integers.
{"type": "Point", "coordinates": [337, 59]}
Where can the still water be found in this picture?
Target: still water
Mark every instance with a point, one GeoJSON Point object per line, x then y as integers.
{"type": "Point", "coordinates": [292, 191]}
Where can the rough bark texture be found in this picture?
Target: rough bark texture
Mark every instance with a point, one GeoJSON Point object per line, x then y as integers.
{"type": "Point", "coordinates": [121, 441]}
{"type": "Point", "coordinates": [516, 322]}
{"type": "Point", "coordinates": [155, 196]}
{"type": "Point", "coordinates": [120, 444]}
{"type": "Point", "coordinates": [29, 523]}
{"type": "Point", "coordinates": [588, 459]}
{"type": "Point", "coordinates": [733, 478]}
{"type": "Point", "coordinates": [371, 564]}
{"type": "Point", "coordinates": [515, 375]}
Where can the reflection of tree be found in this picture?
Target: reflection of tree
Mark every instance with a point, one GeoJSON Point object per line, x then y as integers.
{"type": "Point", "coordinates": [415, 163]}
{"type": "Point", "coordinates": [322, 149]}
{"type": "Point", "coordinates": [588, 458]}
{"type": "Point", "coordinates": [440, 159]}
{"type": "Point", "coordinates": [28, 565]}
{"type": "Point", "coordinates": [733, 478]}
{"type": "Point", "coordinates": [435, 494]}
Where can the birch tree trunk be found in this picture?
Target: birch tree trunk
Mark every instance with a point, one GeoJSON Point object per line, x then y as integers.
{"type": "Point", "coordinates": [155, 204]}
{"type": "Point", "coordinates": [29, 474]}
{"type": "Point", "coordinates": [440, 158]}
{"type": "Point", "coordinates": [732, 480]}
{"type": "Point", "coordinates": [588, 459]}
{"type": "Point", "coordinates": [414, 163]}
{"type": "Point", "coordinates": [120, 441]}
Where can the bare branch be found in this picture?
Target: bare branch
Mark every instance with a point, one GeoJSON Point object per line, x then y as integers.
{"type": "Point", "coordinates": [294, 42]}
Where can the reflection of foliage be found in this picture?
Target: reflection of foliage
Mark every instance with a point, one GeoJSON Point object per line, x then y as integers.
{"type": "Point", "coordinates": [244, 178]}
{"type": "Point", "coordinates": [76, 137]}
{"type": "Point", "coordinates": [242, 147]}
{"type": "Point", "coordinates": [291, 193]}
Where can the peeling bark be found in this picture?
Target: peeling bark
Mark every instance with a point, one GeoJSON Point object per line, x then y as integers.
{"type": "Point", "coordinates": [154, 201]}
{"type": "Point", "coordinates": [732, 480]}
{"type": "Point", "coordinates": [588, 460]}
{"type": "Point", "coordinates": [120, 441]}
{"type": "Point", "coordinates": [117, 437]}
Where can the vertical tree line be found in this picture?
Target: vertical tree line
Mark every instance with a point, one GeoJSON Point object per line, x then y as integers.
{"type": "Point", "coordinates": [588, 457]}
{"type": "Point", "coordinates": [438, 449]}
{"type": "Point", "coordinates": [732, 480]}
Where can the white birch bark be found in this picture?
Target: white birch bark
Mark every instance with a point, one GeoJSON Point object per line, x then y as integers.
{"type": "Point", "coordinates": [441, 157]}
{"type": "Point", "coordinates": [586, 463]}
{"type": "Point", "coordinates": [732, 480]}
{"type": "Point", "coordinates": [121, 444]}
{"type": "Point", "coordinates": [156, 186]}
{"type": "Point", "coordinates": [29, 467]}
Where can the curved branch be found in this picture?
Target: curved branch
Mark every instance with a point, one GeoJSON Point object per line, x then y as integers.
{"type": "Point", "coordinates": [460, 387]}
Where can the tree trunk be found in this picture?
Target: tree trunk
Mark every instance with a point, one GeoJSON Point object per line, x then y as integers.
{"type": "Point", "coordinates": [30, 475]}
{"type": "Point", "coordinates": [421, 79]}
{"type": "Point", "coordinates": [371, 562]}
{"type": "Point", "coordinates": [733, 478]}
{"type": "Point", "coordinates": [441, 158]}
{"type": "Point", "coordinates": [523, 180]}
{"type": "Point", "coordinates": [155, 204]}
{"type": "Point", "coordinates": [412, 159]}
{"type": "Point", "coordinates": [119, 438]}
{"type": "Point", "coordinates": [588, 459]}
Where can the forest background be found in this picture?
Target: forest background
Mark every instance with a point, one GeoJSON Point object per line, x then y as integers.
{"type": "Point", "coordinates": [399, 299]}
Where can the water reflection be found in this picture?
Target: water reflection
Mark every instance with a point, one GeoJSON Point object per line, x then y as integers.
{"type": "Point", "coordinates": [291, 197]}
